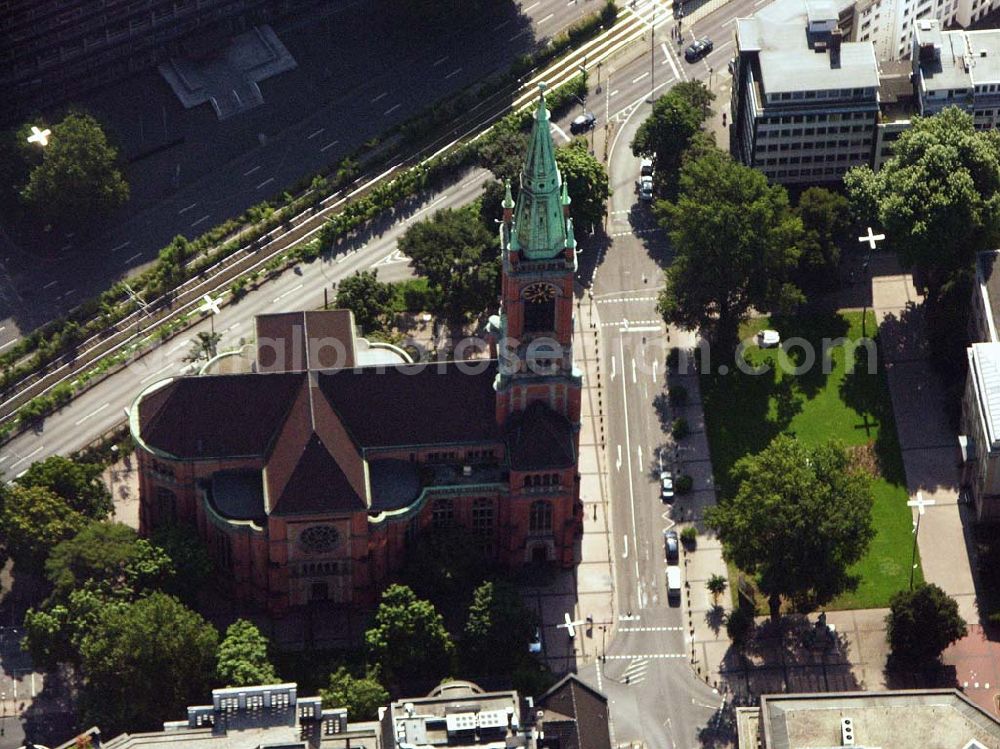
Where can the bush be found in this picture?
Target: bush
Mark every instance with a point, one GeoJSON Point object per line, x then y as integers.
{"type": "Point", "coordinates": [673, 357]}
{"type": "Point", "coordinates": [689, 536]}
{"type": "Point", "coordinates": [683, 484]}
{"type": "Point", "coordinates": [678, 395]}
{"type": "Point", "coordinates": [680, 428]}
{"type": "Point", "coordinates": [739, 626]}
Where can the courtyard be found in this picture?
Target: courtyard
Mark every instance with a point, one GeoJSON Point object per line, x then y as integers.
{"type": "Point", "coordinates": [844, 399]}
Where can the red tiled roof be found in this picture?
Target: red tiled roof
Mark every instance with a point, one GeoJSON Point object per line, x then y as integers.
{"type": "Point", "coordinates": [317, 485]}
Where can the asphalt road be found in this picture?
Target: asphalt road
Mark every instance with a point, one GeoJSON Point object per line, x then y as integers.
{"type": "Point", "coordinates": [103, 406]}
{"type": "Point", "coordinates": [360, 83]}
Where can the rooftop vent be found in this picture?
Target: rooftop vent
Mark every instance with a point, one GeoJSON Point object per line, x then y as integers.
{"type": "Point", "coordinates": [466, 471]}
{"type": "Point", "coordinates": [925, 24]}
{"type": "Point", "coordinates": [846, 732]}
{"type": "Point", "coordinates": [982, 53]}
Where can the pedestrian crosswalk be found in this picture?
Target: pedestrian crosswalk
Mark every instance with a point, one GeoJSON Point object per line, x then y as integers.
{"type": "Point", "coordinates": [651, 629]}
{"type": "Point", "coordinates": [651, 12]}
{"type": "Point", "coordinates": [650, 656]}
{"type": "Point", "coordinates": [635, 673]}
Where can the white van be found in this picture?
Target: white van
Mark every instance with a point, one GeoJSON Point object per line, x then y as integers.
{"type": "Point", "coordinates": [674, 584]}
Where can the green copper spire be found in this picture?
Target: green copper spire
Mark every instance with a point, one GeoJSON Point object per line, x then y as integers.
{"type": "Point", "coordinates": [508, 200]}
{"type": "Point", "coordinates": [539, 225]}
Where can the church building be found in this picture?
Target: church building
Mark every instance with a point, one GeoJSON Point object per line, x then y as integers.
{"type": "Point", "coordinates": [310, 477]}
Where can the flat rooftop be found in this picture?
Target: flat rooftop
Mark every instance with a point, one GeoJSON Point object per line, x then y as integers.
{"type": "Point", "coordinates": [789, 60]}
{"type": "Point", "coordinates": [924, 719]}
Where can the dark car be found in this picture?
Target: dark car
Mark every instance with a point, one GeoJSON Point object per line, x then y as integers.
{"type": "Point", "coordinates": [699, 49]}
{"type": "Point", "coordinates": [583, 123]}
{"type": "Point", "coordinates": [672, 544]}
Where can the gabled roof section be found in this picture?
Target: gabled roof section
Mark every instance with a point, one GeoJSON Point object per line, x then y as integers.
{"type": "Point", "coordinates": [540, 230]}
{"type": "Point", "coordinates": [540, 438]}
{"type": "Point", "coordinates": [576, 713]}
{"type": "Point", "coordinates": [218, 416]}
{"type": "Point", "coordinates": [409, 405]}
{"type": "Point", "coordinates": [317, 485]}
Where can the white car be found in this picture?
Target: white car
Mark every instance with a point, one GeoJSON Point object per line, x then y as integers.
{"type": "Point", "coordinates": [645, 188]}
{"type": "Point", "coordinates": [768, 338]}
{"type": "Point", "coordinates": [666, 485]}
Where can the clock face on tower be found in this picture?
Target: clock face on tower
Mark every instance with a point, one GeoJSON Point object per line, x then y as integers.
{"type": "Point", "coordinates": [319, 538]}
{"type": "Point", "coordinates": [539, 292]}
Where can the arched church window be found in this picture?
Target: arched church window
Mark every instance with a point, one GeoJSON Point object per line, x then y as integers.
{"type": "Point", "coordinates": [541, 517]}
{"type": "Point", "coordinates": [166, 505]}
{"type": "Point", "coordinates": [540, 307]}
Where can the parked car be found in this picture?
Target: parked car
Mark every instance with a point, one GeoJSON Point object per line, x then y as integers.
{"type": "Point", "coordinates": [768, 338]}
{"type": "Point", "coordinates": [646, 168]}
{"type": "Point", "coordinates": [535, 646]}
{"type": "Point", "coordinates": [674, 585]}
{"type": "Point", "coordinates": [699, 49]}
{"type": "Point", "coordinates": [645, 188]}
{"type": "Point", "coordinates": [672, 544]}
{"type": "Point", "coordinates": [583, 123]}
{"type": "Point", "coordinates": [666, 486]}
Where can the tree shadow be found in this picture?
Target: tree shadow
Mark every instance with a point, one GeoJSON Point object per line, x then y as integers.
{"type": "Point", "coordinates": [715, 617]}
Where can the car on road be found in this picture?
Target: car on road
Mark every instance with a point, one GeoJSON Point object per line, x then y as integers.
{"type": "Point", "coordinates": [645, 188]}
{"type": "Point", "coordinates": [646, 168]}
{"type": "Point", "coordinates": [583, 123]}
{"type": "Point", "coordinates": [699, 49]}
{"type": "Point", "coordinates": [674, 585]}
{"type": "Point", "coordinates": [666, 486]}
{"type": "Point", "coordinates": [768, 338]}
{"type": "Point", "coordinates": [672, 544]}
{"type": "Point", "coordinates": [535, 646]}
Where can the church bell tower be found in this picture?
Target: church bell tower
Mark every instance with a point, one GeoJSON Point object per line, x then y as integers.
{"type": "Point", "coordinates": [538, 253]}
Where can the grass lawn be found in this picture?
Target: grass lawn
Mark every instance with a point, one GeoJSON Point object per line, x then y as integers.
{"type": "Point", "coordinates": [744, 412]}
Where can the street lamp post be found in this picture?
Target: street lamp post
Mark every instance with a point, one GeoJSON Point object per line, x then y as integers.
{"type": "Point", "coordinates": [871, 238]}
{"type": "Point", "coordinates": [920, 503]}
{"type": "Point", "coordinates": [652, 55]}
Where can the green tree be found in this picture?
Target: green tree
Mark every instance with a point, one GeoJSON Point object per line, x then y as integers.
{"type": "Point", "coordinates": [801, 516]}
{"type": "Point", "coordinates": [33, 522]}
{"type": "Point", "coordinates": [362, 696]}
{"type": "Point", "coordinates": [587, 182]}
{"type": "Point", "coordinates": [189, 558]}
{"type": "Point", "coordinates": [408, 638]}
{"type": "Point", "coordinates": [499, 627]}
{"type": "Point", "coordinates": [716, 586]}
{"type": "Point", "coordinates": [372, 301]}
{"type": "Point", "coordinates": [737, 244]}
{"type": "Point", "coordinates": [459, 258]}
{"type": "Point", "coordinates": [502, 151]}
{"type": "Point", "coordinates": [144, 662]}
{"type": "Point", "coordinates": [203, 347]}
{"type": "Point", "coordinates": [243, 660]}
{"type": "Point", "coordinates": [111, 555]}
{"type": "Point", "coordinates": [826, 219]}
{"type": "Point", "coordinates": [937, 197]}
{"type": "Point", "coordinates": [77, 179]}
{"type": "Point", "coordinates": [922, 622]}
{"type": "Point", "coordinates": [53, 633]}
{"type": "Point", "coordinates": [665, 135]}
{"type": "Point", "coordinates": [80, 484]}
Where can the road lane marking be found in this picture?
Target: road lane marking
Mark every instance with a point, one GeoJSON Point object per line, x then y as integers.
{"type": "Point", "coordinates": [501, 25]}
{"type": "Point", "coordinates": [11, 342]}
{"type": "Point", "coordinates": [519, 33]}
{"type": "Point", "coordinates": [531, 7]}
{"type": "Point", "coordinates": [646, 655]}
{"type": "Point", "coordinates": [267, 181]}
{"type": "Point", "coordinates": [329, 145]}
{"type": "Point", "coordinates": [50, 284]}
{"type": "Point", "coordinates": [181, 345]}
{"type": "Point", "coordinates": [612, 366]}
{"type": "Point", "coordinates": [439, 62]}
{"type": "Point", "coordinates": [549, 16]}
{"type": "Point", "coordinates": [618, 464]}
{"type": "Point", "coordinates": [203, 218]}
{"type": "Point", "coordinates": [29, 455]}
{"type": "Point", "coordinates": [136, 256]}
{"type": "Point", "coordinates": [315, 133]}
{"type": "Point", "coordinates": [634, 380]}
{"type": "Point", "coordinates": [184, 210]}
{"type": "Point", "coordinates": [380, 97]}
{"type": "Point", "coordinates": [651, 629]}
{"type": "Point", "coordinates": [453, 73]}
{"type": "Point", "coordinates": [247, 174]}
{"type": "Point", "coordinates": [122, 246]}
{"type": "Point", "coordinates": [92, 413]}
{"type": "Point", "coordinates": [732, 20]}
{"type": "Point", "coordinates": [560, 131]}
{"type": "Point", "coordinates": [157, 372]}
{"type": "Point", "coordinates": [391, 109]}
{"type": "Point", "coordinates": [465, 185]}
{"type": "Point", "coordinates": [613, 93]}
{"type": "Point", "coordinates": [670, 59]}
{"type": "Point", "coordinates": [631, 486]}
{"type": "Point", "coordinates": [282, 296]}
{"type": "Point", "coordinates": [639, 78]}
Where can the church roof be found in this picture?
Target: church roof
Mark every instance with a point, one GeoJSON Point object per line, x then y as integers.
{"type": "Point", "coordinates": [317, 485]}
{"type": "Point", "coordinates": [540, 438]}
{"type": "Point", "coordinates": [420, 404]}
{"type": "Point", "coordinates": [540, 228]}
{"type": "Point", "coordinates": [222, 416]}
{"type": "Point", "coordinates": [575, 714]}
